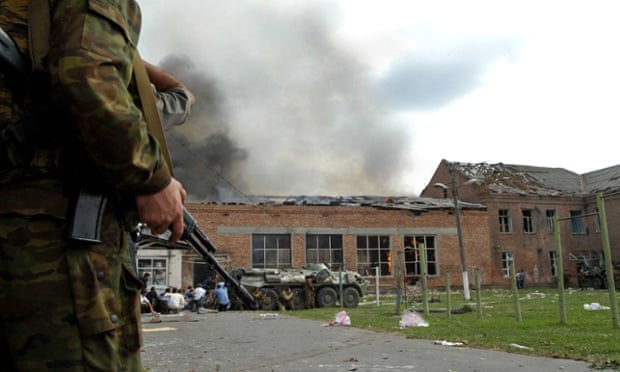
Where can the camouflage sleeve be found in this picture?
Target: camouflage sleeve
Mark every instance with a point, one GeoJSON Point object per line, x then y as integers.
{"type": "Point", "coordinates": [93, 44]}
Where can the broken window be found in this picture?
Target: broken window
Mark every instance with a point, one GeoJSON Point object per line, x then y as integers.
{"type": "Point", "coordinates": [553, 262]}
{"type": "Point", "coordinates": [504, 221]}
{"type": "Point", "coordinates": [529, 225]}
{"type": "Point", "coordinates": [507, 259]}
{"type": "Point", "coordinates": [157, 268]}
{"type": "Point", "coordinates": [324, 248]}
{"type": "Point", "coordinates": [271, 250]}
{"type": "Point", "coordinates": [550, 216]}
{"type": "Point", "coordinates": [373, 251]}
{"type": "Point", "coordinates": [576, 222]}
{"type": "Point", "coordinates": [412, 244]}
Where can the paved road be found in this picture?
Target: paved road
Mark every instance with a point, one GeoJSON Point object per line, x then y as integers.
{"type": "Point", "coordinates": [257, 341]}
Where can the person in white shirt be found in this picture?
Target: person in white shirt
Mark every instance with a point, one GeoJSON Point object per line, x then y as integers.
{"type": "Point", "coordinates": [200, 296]}
{"type": "Point", "coordinates": [177, 301]}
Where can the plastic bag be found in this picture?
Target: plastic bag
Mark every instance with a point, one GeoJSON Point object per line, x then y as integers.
{"type": "Point", "coordinates": [411, 319]}
{"type": "Point", "coordinates": [343, 319]}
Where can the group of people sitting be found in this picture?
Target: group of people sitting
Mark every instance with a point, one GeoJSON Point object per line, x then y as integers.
{"type": "Point", "coordinates": [174, 300]}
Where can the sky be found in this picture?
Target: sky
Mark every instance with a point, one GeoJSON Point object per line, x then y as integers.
{"type": "Point", "coordinates": [352, 97]}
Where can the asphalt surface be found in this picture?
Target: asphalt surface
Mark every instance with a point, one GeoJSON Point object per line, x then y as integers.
{"type": "Point", "coordinates": [265, 341]}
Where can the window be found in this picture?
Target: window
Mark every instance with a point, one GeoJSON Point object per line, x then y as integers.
{"type": "Point", "coordinates": [597, 221]}
{"type": "Point", "coordinates": [507, 259]}
{"type": "Point", "coordinates": [576, 222]}
{"type": "Point", "coordinates": [323, 248]}
{"type": "Point", "coordinates": [158, 268]}
{"type": "Point", "coordinates": [373, 250]}
{"type": "Point", "coordinates": [271, 250]}
{"type": "Point", "coordinates": [412, 257]}
{"type": "Point", "coordinates": [529, 225]}
{"type": "Point", "coordinates": [553, 263]}
{"type": "Point", "coordinates": [504, 221]}
{"type": "Point", "coordinates": [550, 216]}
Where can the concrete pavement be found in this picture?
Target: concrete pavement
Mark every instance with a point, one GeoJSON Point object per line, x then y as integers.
{"type": "Point", "coordinates": [262, 341]}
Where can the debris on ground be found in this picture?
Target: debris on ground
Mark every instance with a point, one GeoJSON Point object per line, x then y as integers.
{"type": "Point", "coordinates": [448, 343]}
{"type": "Point", "coordinates": [268, 315]}
{"type": "Point", "coordinates": [342, 319]}
{"type": "Point", "coordinates": [521, 347]}
{"type": "Point", "coordinates": [595, 306]}
{"type": "Point", "coordinates": [412, 319]}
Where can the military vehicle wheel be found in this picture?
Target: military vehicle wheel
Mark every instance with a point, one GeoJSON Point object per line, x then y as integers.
{"type": "Point", "coordinates": [597, 283]}
{"type": "Point", "coordinates": [270, 299]}
{"type": "Point", "coordinates": [299, 298]}
{"type": "Point", "coordinates": [350, 297]}
{"type": "Point", "coordinates": [326, 297]}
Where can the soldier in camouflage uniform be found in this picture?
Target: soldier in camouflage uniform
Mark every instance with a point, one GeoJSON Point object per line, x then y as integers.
{"type": "Point", "coordinates": [64, 304]}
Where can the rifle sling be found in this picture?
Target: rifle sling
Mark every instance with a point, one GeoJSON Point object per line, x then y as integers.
{"type": "Point", "coordinates": [149, 108]}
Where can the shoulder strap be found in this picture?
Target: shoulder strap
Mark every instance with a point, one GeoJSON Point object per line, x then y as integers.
{"type": "Point", "coordinates": [39, 26]}
{"type": "Point", "coordinates": [149, 107]}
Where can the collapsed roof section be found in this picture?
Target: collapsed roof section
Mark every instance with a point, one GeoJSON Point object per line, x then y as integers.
{"type": "Point", "coordinates": [530, 180]}
{"type": "Point", "coordinates": [412, 203]}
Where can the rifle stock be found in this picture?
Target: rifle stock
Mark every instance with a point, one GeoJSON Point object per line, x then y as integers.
{"type": "Point", "coordinates": [203, 246]}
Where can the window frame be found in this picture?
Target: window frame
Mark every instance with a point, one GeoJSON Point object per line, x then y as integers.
{"type": "Point", "coordinates": [507, 259]}
{"type": "Point", "coordinates": [529, 221]}
{"type": "Point", "coordinates": [334, 250]}
{"type": "Point", "coordinates": [382, 254]}
{"type": "Point", "coordinates": [280, 250]}
{"type": "Point", "coordinates": [505, 222]}
{"type": "Point", "coordinates": [412, 256]}
{"type": "Point", "coordinates": [577, 222]}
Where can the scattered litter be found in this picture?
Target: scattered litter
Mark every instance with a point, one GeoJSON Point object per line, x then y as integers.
{"type": "Point", "coordinates": [411, 319]}
{"type": "Point", "coordinates": [535, 295]}
{"type": "Point", "coordinates": [521, 347]}
{"type": "Point", "coordinates": [595, 306]}
{"type": "Point", "coordinates": [448, 343]}
{"type": "Point", "coordinates": [268, 315]}
{"type": "Point", "coordinates": [342, 319]}
{"type": "Point", "coordinates": [161, 329]}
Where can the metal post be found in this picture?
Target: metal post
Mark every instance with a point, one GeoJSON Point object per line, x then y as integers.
{"type": "Point", "coordinates": [423, 273]}
{"type": "Point", "coordinates": [448, 293]}
{"type": "Point", "coordinates": [611, 284]}
{"type": "Point", "coordinates": [398, 283]}
{"type": "Point", "coordinates": [377, 272]}
{"type": "Point", "coordinates": [560, 268]}
{"type": "Point", "coordinates": [459, 232]}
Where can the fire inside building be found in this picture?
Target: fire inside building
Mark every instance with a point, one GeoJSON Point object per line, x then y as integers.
{"type": "Point", "coordinates": [473, 216]}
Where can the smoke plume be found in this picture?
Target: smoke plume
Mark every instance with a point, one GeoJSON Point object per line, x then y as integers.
{"type": "Point", "coordinates": [281, 108]}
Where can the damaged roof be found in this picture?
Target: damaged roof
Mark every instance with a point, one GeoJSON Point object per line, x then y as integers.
{"type": "Point", "coordinates": [412, 203]}
{"type": "Point", "coordinates": [525, 179]}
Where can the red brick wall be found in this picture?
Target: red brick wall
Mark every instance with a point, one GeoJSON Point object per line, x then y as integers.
{"type": "Point", "coordinates": [215, 220]}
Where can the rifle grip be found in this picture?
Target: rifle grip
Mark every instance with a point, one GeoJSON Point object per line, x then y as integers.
{"type": "Point", "coordinates": [86, 222]}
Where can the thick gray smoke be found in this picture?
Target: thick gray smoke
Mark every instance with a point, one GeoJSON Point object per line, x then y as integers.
{"type": "Point", "coordinates": [281, 108]}
{"type": "Point", "coordinates": [203, 154]}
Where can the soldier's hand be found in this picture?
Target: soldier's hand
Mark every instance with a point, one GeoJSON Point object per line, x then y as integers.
{"type": "Point", "coordinates": [163, 210]}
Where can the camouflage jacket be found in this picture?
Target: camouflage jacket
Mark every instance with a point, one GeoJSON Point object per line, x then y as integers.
{"type": "Point", "coordinates": [89, 69]}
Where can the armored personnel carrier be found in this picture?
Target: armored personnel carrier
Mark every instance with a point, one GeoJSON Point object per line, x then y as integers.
{"type": "Point", "coordinates": [327, 285]}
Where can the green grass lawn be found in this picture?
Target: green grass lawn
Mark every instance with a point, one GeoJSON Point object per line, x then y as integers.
{"type": "Point", "coordinates": [587, 335]}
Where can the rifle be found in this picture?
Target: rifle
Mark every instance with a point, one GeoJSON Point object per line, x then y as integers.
{"type": "Point", "coordinates": [201, 244]}
{"type": "Point", "coordinates": [85, 225]}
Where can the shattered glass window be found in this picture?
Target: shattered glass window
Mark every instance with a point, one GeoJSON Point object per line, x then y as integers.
{"type": "Point", "coordinates": [324, 248]}
{"type": "Point", "coordinates": [553, 263]}
{"type": "Point", "coordinates": [412, 245]}
{"type": "Point", "coordinates": [529, 224]}
{"type": "Point", "coordinates": [576, 222]}
{"type": "Point", "coordinates": [550, 215]}
{"type": "Point", "coordinates": [373, 251]}
{"type": "Point", "coordinates": [507, 259]}
{"type": "Point", "coordinates": [504, 221]}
